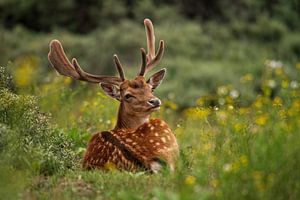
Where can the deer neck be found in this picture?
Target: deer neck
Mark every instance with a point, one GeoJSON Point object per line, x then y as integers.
{"type": "Point", "coordinates": [129, 121]}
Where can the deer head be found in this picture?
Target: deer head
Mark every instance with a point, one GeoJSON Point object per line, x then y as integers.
{"type": "Point", "coordinates": [136, 96]}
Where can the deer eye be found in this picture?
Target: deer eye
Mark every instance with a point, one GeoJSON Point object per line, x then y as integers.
{"type": "Point", "coordinates": [128, 96]}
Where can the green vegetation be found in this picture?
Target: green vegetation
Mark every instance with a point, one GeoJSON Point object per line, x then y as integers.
{"type": "Point", "coordinates": [231, 96]}
{"type": "Point", "coordinates": [224, 149]}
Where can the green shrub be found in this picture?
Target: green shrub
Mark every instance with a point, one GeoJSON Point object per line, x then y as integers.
{"type": "Point", "coordinates": [29, 141]}
{"type": "Point", "coordinates": [265, 29]}
{"type": "Point", "coordinates": [291, 46]}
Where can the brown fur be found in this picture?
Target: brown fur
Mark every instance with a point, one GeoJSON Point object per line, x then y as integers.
{"type": "Point", "coordinates": [150, 141]}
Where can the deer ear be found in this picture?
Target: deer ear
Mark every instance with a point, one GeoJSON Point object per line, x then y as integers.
{"type": "Point", "coordinates": [111, 90]}
{"type": "Point", "coordinates": [156, 79]}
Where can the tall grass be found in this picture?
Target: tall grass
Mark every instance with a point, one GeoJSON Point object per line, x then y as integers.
{"type": "Point", "coordinates": [228, 150]}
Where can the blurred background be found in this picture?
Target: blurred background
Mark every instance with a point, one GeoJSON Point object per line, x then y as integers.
{"type": "Point", "coordinates": [208, 43]}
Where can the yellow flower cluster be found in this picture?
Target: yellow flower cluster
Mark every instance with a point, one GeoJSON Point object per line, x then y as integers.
{"type": "Point", "coordinates": [190, 180]}
{"type": "Point", "coordinates": [25, 70]}
{"type": "Point", "coordinates": [197, 113]}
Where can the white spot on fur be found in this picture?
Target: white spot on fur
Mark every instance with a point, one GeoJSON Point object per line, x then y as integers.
{"type": "Point", "coordinates": [163, 139]}
{"type": "Point", "coordinates": [128, 140]}
{"type": "Point", "coordinates": [151, 141]}
{"type": "Point", "coordinates": [156, 134]}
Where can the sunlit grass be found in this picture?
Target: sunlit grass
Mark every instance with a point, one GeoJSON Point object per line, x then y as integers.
{"type": "Point", "coordinates": [229, 150]}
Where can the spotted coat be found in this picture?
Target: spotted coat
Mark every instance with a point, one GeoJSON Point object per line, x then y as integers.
{"type": "Point", "coordinates": [150, 144]}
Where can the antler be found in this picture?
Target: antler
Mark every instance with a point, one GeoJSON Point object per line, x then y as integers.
{"type": "Point", "coordinates": [151, 59]}
{"type": "Point", "coordinates": [63, 66]}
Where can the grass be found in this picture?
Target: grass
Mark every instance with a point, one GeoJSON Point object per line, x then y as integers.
{"type": "Point", "coordinates": [228, 151]}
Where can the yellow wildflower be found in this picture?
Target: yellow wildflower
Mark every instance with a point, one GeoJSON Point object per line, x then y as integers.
{"type": "Point", "coordinates": [243, 111]}
{"type": "Point", "coordinates": [279, 71]}
{"type": "Point", "coordinates": [197, 113]}
{"type": "Point", "coordinates": [247, 78]}
{"type": "Point", "coordinates": [277, 101]}
{"type": "Point", "coordinates": [229, 100]}
{"type": "Point", "coordinates": [238, 127]}
{"type": "Point", "coordinates": [295, 108]}
{"type": "Point", "coordinates": [25, 70]}
{"type": "Point", "coordinates": [282, 114]}
{"type": "Point", "coordinates": [110, 166]}
{"type": "Point", "coordinates": [230, 107]}
{"type": "Point", "coordinates": [258, 103]}
{"type": "Point", "coordinates": [236, 166]}
{"type": "Point", "coordinates": [262, 119]}
{"type": "Point", "coordinates": [190, 180]}
{"type": "Point", "coordinates": [285, 84]}
{"type": "Point", "coordinates": [67, 81]}
{"type": "Point", "coordinates": [244, 160]}
{"type": "Point", "coordinates": [207, 147]}
{"type": "Point", "coordinates": [171, 105]}
{"type": "Point", "coordinates": [200, 102]}
{"type": "Point", "coordinates": [298, 65]}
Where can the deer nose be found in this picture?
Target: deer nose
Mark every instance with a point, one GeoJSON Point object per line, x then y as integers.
{"type": "Point", "coordinates": [154, 102]}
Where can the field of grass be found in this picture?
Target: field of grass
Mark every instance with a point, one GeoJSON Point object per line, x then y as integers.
{"type": "Point", "coordinates": [228, 150]}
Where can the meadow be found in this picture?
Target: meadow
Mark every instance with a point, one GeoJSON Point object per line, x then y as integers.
{"type": "Point", "coordinates": [228, 151]}
{"type": "Point", "coordinates": [231, 97]}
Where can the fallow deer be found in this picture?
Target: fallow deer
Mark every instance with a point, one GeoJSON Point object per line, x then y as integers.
{"type": "Point", "coordinates": [137, 142]}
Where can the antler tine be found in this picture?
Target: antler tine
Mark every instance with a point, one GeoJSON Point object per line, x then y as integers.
{"type": "Point", "coordinates": [144, 62]}
{"type": "Point", "coordinates": [63, 66]}
{"type": "Point", "coordinates": [157, 57]}
{"type": "Point", "coordinates": [59, 60]}
{"type": "Point", "coordinates": [150, 38]}
{"type": "Point", "coordinates": [152, 58]}
{"type": "Point", "coordinates": [119, 67]}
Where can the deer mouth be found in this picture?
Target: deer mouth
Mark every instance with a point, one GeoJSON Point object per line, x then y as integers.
{"type": "Point", "coordinates": [154, 108]}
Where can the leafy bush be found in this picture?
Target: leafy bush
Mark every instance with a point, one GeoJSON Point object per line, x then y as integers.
{"type": "Point", "coordinates": [28, 140]}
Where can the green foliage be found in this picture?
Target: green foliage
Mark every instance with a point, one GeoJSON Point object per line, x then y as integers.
{"type": "Point", "coordinates": [286, 12]}
{"type": "Point", "coordinates": [195, 54]}
{"type": "Point", "coordinates": [5, 79]}
{"type": "Point", "coordinates": [84, 16]}
{"type": "Point", "coordinates": [28, 141]}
